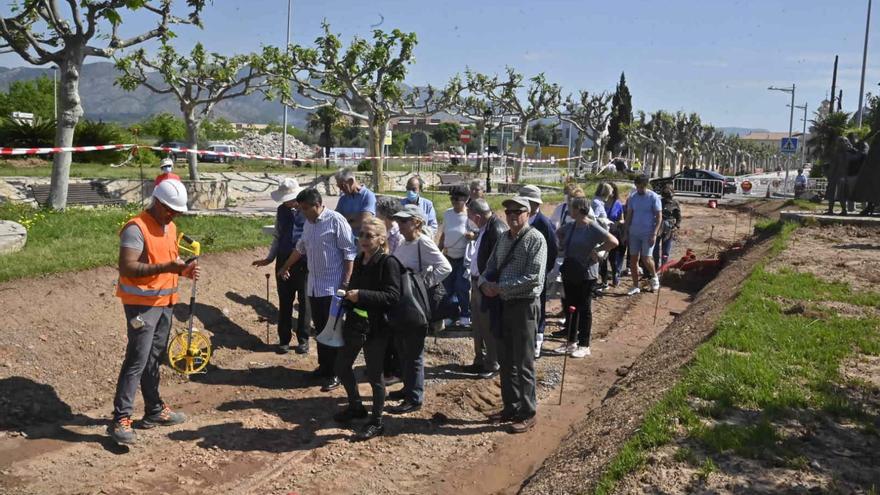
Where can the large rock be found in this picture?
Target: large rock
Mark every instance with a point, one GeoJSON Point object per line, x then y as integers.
{"type": "Point", "coordinates": [13, 237]}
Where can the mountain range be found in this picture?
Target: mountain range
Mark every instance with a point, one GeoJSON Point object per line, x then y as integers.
{"type": "Point", "coordinates": [102, 100]}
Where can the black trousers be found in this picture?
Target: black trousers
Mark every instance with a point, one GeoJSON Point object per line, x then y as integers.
{"type": "Point", "coordinates": [289, 290]}
{"type": "Point", "coordinates": [320, 314]}
{"type": "Point", "coordinates": [580, 295]}
{"type": "Point", "coordinates": [374, 355]}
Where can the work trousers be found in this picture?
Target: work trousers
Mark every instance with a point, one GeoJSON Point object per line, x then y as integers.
{"type": "Point", "coordinates": [458, 285]}
{"type": "Point", "coordinates": [410, 344]}
{"type": "Point", "coordinates": [289, 290]}
{"type": "Point", "coordinates": [143, 354]}
{"type": "Point", "coordinates": [615, 260]}
{"type": "Point", "coordinates": [374, 355]}
{"type": "Point", "coordinates": [519, 323]}
{"type": "Point", "coordinates": [485, 344]}
{"type": "Point", "coordinates": [320, 307]}
{"type": "Point", "coordinates": [580, 295]}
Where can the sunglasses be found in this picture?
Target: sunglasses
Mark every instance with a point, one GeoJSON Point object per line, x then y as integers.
{"type": "Point", "coordinates": [514, 212]}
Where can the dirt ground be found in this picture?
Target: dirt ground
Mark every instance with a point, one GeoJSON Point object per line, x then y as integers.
{"type": "Point", "coordinates": [836, 454]}
{"type": "Point", "coordinates": [258, 424]}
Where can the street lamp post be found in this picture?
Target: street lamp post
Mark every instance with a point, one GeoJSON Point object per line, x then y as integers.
{"type": "Point", "coordinates": [803, 134]}
{"type": "Point", "coordinates": [790, 123]}
{"type": "Point", "coordinates": [284, 119]}
{"type": "Point", "coordinates": [487, 122]}
{"type": "Point", "coordinates": [55, 92]}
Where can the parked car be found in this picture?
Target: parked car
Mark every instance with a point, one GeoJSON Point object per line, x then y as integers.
{"type": "Point", "coordinates": [171, 154]}
{"type": "Point", "coordinates": [220, 148]}
{"type": "Point", "coordinates": [697, 181]}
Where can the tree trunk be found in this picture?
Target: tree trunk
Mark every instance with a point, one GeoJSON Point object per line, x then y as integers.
{"type": "Point", "coordinates": [192, 138]}
{"type": "Point", "coordinates": [328, 142]}
{"type": "Point", "coordinates": [518, 166]}
{"type": "Point", "coordinates": [377, 138]}
{"type": "Point", "coordinates": [480, 152]}
{"type": "Point", "coordinates": [69, 112]}
{"type": "Point", "coordinates": [662, 167]}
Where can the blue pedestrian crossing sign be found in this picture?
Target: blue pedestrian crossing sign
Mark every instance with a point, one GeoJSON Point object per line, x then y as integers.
{"type": "Point", "coordinates": [788, 146]}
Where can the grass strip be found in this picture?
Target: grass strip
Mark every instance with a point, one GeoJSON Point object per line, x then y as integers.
{"type": "Point", "coordinates": [762, 364]}
{"type": "Point", "coordinates": [83, 238]}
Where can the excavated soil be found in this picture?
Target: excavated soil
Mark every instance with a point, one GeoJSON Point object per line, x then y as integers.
{"type": "Point", "coordinates": [258, 424]}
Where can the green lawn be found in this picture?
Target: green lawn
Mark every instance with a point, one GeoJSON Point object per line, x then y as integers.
{"type": "Point", "coordinates": [761, 359]}
{"type": "Point", "coordinates": [78, 239]}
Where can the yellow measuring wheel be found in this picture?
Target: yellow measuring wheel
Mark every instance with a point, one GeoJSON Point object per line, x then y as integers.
{"type": "Point", "coordinates": [190, 350]}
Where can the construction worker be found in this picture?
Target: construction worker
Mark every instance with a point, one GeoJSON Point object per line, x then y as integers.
{"type": "Point", "coordinates": [165, 166]}
{"type": "Point", "coordinates": [149, 267]}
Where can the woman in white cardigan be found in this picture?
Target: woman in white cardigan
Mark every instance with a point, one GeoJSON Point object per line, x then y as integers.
{"type": "Point", "coordinates": [418, 253]}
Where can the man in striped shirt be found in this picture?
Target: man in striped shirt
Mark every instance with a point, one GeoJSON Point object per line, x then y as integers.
{"type": "Point", "coordinates": [327, 240]}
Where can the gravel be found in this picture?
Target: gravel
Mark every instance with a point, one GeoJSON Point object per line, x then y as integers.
{"type": "Point", "coordinates": [255, 143]}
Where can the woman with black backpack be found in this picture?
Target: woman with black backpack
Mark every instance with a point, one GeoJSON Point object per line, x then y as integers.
{"type": "Point", "coordinates": [580, 242]}
{"type": "Point", "coordinates": [374, 289]}
{"type": "Point", "coordinates": [670, 222]}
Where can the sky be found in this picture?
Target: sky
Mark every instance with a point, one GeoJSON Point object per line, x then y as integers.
{"type": "Point", "coordinates": [713, 57]}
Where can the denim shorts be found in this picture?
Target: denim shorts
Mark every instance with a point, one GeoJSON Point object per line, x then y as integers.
{"type": "Point", "coordinates": [641, 244]}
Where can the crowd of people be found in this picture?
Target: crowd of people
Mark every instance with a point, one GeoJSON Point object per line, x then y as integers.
{"type": "Point", "coordinates": [479, 271]}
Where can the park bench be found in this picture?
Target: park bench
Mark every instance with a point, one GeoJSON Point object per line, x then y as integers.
{"type": "Point", "coordinates": [448, 181]}
{"type": "Point", "coordinates": [92, 194]}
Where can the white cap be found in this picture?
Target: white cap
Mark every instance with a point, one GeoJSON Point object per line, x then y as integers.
{"type": "Point", "coordinates": [166, 162]}
{"type": "Point", "coordinates": [171, 193]}
{"type": "Point", "coordinates": [287, 190]}
{"type": "Point", "coordinates": [533, 193]}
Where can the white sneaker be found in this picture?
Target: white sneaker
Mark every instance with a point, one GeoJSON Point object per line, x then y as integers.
{"type": "Point", "coordinates": [655, 283]}
{"type": "Point", "coordinates": [580, 352]}
{"type": "Point", "coordinates": [539, 342]}
{"type": "Point", "coordinates": [633, 291]}
{"type": "Point", "coordinates": [565, 349]}
{"type": "Point", "coordinates": [464, 321]}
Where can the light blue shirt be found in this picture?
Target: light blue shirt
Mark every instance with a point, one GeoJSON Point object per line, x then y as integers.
{"type": "Point", "coordinates": [352, 205]}
{"type": "Point", "coordinates": [427, 207]}
{"type": "Point", "coordinates": [327, 244]}
{"type": "Point", "coordinates": [642, 209]}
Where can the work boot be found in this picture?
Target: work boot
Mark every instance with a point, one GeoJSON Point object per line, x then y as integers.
{"type": "Point", "coordinates": [165, 417]}
{"type": "Point", "coordinates": [121, 432]}
{"type": "Point", "coordinates": [302, 348]}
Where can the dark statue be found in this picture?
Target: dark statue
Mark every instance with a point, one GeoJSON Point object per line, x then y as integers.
{"type": "Point", "coordinates": [844, 173]}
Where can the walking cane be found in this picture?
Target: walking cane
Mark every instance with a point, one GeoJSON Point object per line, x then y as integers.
{"type": "Point", "coordinates": [657, 273]}
{"type": "Point", "coordinates": [573, 318]}
{"type": "Point", "coordinates": [267, 305]}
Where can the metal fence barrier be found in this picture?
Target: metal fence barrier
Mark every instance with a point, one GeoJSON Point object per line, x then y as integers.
{"type": "Point", "coordinates": [702, 187]}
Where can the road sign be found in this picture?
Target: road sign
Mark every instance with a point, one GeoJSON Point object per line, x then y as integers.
{"type": "Point", "coordinates": [788, 146]}
{"type": "Point", "coordinates": [387, 141]}
{"type": "Point", "coordinates": [465, 136]}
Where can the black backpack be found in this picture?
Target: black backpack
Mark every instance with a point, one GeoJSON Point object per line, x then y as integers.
{"type": "Point", "coordinates": [413, 310]}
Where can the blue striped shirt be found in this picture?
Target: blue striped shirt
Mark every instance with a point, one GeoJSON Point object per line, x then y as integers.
{"type": "Point", "coordinates": [327, 243]}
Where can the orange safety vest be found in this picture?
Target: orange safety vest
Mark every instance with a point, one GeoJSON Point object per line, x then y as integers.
{"type": "Point", "coordinates": [161, 247]}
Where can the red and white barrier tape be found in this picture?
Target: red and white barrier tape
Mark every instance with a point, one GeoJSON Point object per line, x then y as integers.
{"type": "Point", "coordinates": [75, 149]}
{"type": "Point", "coordinates": [432, 157]}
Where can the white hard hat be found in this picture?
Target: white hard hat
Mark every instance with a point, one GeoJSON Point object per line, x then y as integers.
{"type": "Point", "coordinates": [171, 193]}
{"type": "Point", "coordinates": [167, 162]}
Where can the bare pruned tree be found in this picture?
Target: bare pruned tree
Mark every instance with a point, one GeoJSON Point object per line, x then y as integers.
{"type": "Point", "coordinates": [198, 81]}
{"type": "Point", "coordinates": [42, 32]}
{"type": "Point", "coordinates": [589, 114]}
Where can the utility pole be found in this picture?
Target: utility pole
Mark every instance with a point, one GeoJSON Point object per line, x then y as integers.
{"type": "Point", "coordinates": [833, 86]}
{"type": "Point", "coordinates": [284, 119]}
{"type": "Point", "coordinates": [864, 61]}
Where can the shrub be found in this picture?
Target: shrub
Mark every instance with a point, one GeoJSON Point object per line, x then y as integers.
{"type": "Point", "coordinates": [91, 133]}
{"type": "Point", "coordinates": [38, 134]}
